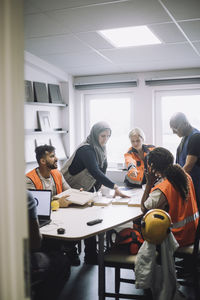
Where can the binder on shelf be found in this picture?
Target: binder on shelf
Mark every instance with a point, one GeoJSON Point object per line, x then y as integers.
{"type": "Point", "coordinates": [28, 91]}
{"type": "Point", "coordinates": [77, 196]}
{"type": "Point", "coordinates": [54, 93]}
{"type": "Point", "coordinates": [40, 92]}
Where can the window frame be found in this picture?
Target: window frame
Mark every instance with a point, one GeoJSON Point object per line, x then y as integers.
{"type": "Point", "coordinates": [118, 93]}
{"type": "Point", "coordinates": [180, 91]}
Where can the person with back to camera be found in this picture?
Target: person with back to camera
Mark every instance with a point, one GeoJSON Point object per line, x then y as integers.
{"type": "Point", "coordinates": [86, 169]}
{"type": "Point", "coordinates": [47, 177]}
{"type": "Point", "coordinates": [49, 273]}
{"type": "Point", "coordinates": [170, 188]}
{"type": "Point", "coordinates": [135, 158]}
{"type": "Point", "coordinates": [188, 151]}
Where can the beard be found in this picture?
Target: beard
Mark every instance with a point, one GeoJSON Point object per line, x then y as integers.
{"type": "Point", "coordinates": [52, 166]}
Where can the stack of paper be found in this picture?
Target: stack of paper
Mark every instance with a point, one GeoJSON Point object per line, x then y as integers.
{"type": "Point", "coordinates": [77, 196]}
{"type": "Point", "coordinates": [135, 202]}
{"type": "Point", "coordinates": [102, 201]}
{"type": "Point", "coordinates": [120, 201]}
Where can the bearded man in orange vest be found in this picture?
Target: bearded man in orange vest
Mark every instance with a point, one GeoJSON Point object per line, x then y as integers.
{"type": "Point", "coordinates": [47, 177]}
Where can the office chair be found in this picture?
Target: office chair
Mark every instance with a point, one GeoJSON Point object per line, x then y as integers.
{"type": "Point", "coordinates": [190, 255]}
{"type": "Point", "coordinates": [117, 258]}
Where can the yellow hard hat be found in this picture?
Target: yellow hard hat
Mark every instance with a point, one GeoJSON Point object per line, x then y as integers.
{"type": "Point", "coordinates": [55, 205]}
{"type": "Point", "coordinates": [156, 225]}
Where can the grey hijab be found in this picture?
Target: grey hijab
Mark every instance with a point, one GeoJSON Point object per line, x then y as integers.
{"type": "Point", "coordinates": [93, 140]}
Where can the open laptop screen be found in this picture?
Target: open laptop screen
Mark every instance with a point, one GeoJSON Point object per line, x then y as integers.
{"type": "Point", "coordinates": [43, 202]}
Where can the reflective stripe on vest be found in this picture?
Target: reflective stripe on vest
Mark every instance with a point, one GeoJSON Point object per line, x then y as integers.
{"type": "Point", "coordinates": [185, 221]}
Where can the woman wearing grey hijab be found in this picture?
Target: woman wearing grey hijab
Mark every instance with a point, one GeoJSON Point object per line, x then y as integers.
{"type": "Point", "coordinates": [87, 166]}
{"type": "Point", "coordinates": [86, 169]}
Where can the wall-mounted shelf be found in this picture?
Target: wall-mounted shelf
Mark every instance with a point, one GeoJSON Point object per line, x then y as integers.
{"type": "Point", "coordinates": [46, 104]}
{"type": "Point", "coordinates": [30, 131]}
{"type": "Point", "coordinates": [46, 123]}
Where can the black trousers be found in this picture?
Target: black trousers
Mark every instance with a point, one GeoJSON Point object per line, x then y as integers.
{"type": "Point", "coordinates": [49, 274]}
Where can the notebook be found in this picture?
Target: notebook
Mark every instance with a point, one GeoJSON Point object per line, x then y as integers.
{"type": "Point", "coordinates": [43, 202]}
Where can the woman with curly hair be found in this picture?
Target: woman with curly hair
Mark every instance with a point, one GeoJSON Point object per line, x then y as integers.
{"type": "Point", "coordinates": [170, 188]}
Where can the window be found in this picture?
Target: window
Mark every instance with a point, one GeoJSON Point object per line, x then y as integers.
{"type": "Point", "coordinates": [116, 110]}
{"type": "Point", "coordinates": [167, 103]}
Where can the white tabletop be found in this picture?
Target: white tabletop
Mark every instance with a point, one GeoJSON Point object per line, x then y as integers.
{"type": "Point", "coordinates": [74, 220]}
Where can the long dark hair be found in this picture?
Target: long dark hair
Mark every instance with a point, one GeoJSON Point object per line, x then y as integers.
{"type": "Point", "coordinates": [161, 160]}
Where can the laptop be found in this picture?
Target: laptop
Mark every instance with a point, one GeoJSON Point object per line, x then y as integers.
{"type": "Point", "coordinates": [43, 202]}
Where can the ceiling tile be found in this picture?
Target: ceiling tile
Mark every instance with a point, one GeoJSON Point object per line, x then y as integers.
{"type": "Point", "coordinates": [158, 52]}
{"type": "Point", "coordinates": [29, 7]}
{"type": "Point", "coordinates": [191, 29]}
{"type": "Point", "coordinates": [56, 44]}
{"type": "Point", "coordinates": [197, 46]}
{"type": "Point", "coordinates": [131, 13]}
{"type": "Point", "coordinates": [38, 25]}
{"type": "Point", "coordinates": [75, 59]}
{"type": "Point", "coordinates": [168, 33]}
{"type": "Point", "coordinates": [94, 40]}
{"type": "Point", "coordinates": [183, 9]}
{"type": "Point", "coordinates": [48, 5]}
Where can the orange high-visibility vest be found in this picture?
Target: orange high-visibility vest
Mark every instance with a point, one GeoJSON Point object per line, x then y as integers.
{"type": "Point", "coordinates": [57, 177]}
{"type": "Point", "coordinates": [184, 214]}
{"type": "Point", "coordinates": [133, 161]}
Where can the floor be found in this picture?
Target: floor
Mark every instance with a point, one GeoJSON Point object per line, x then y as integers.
{"type": "Point", "coordinates": [83, 284]}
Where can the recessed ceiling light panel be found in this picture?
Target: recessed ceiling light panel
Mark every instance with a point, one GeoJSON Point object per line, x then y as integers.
{"type": "Point", "coordinates": [130, 36]}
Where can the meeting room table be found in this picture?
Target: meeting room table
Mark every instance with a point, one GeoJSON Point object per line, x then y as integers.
{"type": "Point", "coordinates": [74, 220]}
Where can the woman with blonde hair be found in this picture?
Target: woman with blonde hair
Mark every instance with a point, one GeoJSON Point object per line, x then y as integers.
{"type": "Point", "coordinates": [135, 158]}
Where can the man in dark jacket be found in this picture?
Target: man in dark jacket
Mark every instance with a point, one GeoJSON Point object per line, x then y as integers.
{"type": "Point", "coordinates": [188, 151]}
